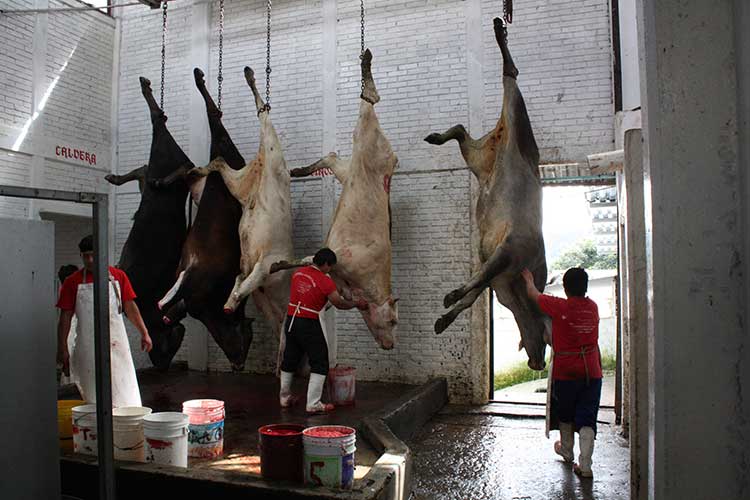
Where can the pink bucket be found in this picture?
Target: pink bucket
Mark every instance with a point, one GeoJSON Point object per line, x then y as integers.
{"type": "Point", "coordinates": [206, 429]}
{"type": "Point", "coordinates": [340, 385]}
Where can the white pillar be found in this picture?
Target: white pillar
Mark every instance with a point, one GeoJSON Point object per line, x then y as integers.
{"type": "Point", "coordinates": [696, 230]}
{"type": "Point", "coordinates": [38, 71]}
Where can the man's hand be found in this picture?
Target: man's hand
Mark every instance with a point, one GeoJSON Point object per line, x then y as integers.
{"type": "Point", "coordinates": [531, 290]}
{"type": "Point", "coordinates": [146, 344]}
{"type": "Point", "coordinates": [527, 276]}
{"type": "Point", "coordinates": [63, 357]}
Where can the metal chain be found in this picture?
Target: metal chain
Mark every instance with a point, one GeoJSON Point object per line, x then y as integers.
{"type": "Point", "coordinates": [268, 56]}
{"type": "Point", "coordinates": [220, 77]}
{"type": "Point", "coordinates": [362, 37]}
{"type": "Point", "coordinates": [508, 11]}
{"type": "Point", "coordinates": [163, 52]}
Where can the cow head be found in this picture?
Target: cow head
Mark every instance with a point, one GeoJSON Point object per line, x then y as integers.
{"type": "Point", "coordinates": [232, 333]}
{"type": "Point", "coordinates": [166, 342]}
{"type": "Point", "coordinates": [382, 320]}
{"type": "Point", "coordinates": [535, 333]}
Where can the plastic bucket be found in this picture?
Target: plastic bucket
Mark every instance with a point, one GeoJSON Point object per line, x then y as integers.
{"type": "Point", "coordinates": [83, 420]}
{"type": "Point", "coordinates": [127, 423]}
{"type": "Point", "coordinates": [340, 385]}
{"type": "Point", "coordinates": [166, 438]}
{"type": "Point", "coordinates": [329, 455]}
{"type": "Point", "coordinates": [281, 452]}
{"type": "Point", "coordinates": [65, 422]}
{"type": "Point", "coordinates": [206, 430]}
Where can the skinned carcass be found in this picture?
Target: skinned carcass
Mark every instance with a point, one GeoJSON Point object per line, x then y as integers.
{"type": "Point", "coordinates": [211, 254]}
{"type": "Point", "coordinates": [508, 213]}
{"type": "Point", "coordinates": [360, 232]}
{"type": "Point", "coordinates": [265, 229]}
{"type": "Point", "coordinates": [152, 251]}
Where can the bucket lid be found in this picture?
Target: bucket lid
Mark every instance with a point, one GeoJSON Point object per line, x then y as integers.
{"type": "Point", "coordinates": [282, 430]}
{"type": "Point", "coordinates": [166, 417]}
{"type": "Point", "coordinates": [203, 404]}
{"type": "Point", "coordinates": [329, 431]}
{"type": "Point", "coordinates": [131, 411]}
{"type": "Point", "coordinates": [84, 410]}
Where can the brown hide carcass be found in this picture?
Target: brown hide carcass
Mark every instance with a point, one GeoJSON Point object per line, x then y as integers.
{"type": "Point", "coordinates": [508, 212]}
{"type": "Point", "coordinates": [211, 254]}
{"type": "Point", "coordinates": [265, 229]}
{"type": "Point", "coordinates": [360, 232]}
{"type": "Point", "coordinates": [152, 250]}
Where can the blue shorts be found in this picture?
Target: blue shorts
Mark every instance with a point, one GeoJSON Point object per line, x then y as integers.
{"type": "Point", "coordinates": [575, 401]}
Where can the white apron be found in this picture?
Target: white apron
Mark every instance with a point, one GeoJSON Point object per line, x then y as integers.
{"type": "Point", "coordinates": [125, 390]}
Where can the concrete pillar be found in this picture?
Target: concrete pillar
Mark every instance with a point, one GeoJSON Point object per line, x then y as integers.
{"type": "Point", "coordinates": [635, 276]}
{"type": "Point", "coordinates": [39, 86]}
{"type": "Point", "coordinates": [696, 234]}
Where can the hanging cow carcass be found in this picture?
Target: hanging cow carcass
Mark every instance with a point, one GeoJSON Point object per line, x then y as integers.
{"type": "Point", "coordinates": [508, 213]}
{"type": "Point", "coordinates": [265, 229]}
{"type": "Point", "coordinates": [211, 254]}
{"type": "Point", "coordinates": [152, 251]}
{"type": "Point", "coordinates": [360, 232]}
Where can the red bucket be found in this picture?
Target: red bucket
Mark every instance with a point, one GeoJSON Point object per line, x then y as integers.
{"type": "Point", "coordinates": [341, 385]}
{"type": "Point", "coordinates": [281, 452]}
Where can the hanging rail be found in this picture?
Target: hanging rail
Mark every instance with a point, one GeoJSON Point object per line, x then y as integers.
{"type": "Point", "coordinates": [63, 10]}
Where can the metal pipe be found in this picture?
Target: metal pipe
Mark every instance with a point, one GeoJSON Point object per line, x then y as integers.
{"type": "Point", "coordinates": [66, 9]}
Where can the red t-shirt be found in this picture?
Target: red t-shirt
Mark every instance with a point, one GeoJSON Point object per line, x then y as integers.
{"type": "Point", "coordinates": [69, 288]}
{"type": "Point", "coordinates": [310, 288]}
{"type": "Point", "coordinates": [575, 325]}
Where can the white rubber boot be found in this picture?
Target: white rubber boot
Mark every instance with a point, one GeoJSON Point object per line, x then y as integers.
{"type": "Point", "coordinates": [564, 447]}
{"type": "Point", "coordinates": [285, 393]}
{"type": "Point", "coordinates": [586, 444]}
{"type": "Point", "coordinates": [315, 392]}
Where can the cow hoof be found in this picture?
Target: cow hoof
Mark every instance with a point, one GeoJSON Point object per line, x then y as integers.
{"type": "Point", "coordinates": [166, 320]}
{"type": "Point", "coordinates": [452, 298]}
{"type": "Point", "coordinates": [228, 310]}
{"type": "Point", "coordinates": [442, 323]}
{"type": "Point", "coordinates": [433, 138]}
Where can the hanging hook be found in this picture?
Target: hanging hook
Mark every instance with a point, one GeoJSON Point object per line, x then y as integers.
{"type": "Point", "coordinates": [220, 77]}
{"type": "Point", "coordinates": [508, 11]}
{"type": "Point", "coordinates": [163, 52]}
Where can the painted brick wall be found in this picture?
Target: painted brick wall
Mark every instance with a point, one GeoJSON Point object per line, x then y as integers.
{"type": "Point", "coordinates": [14, 171]}
{"type": "Point", "coordinates": [420, 68]}
{"type": "Point", "coordinates": [563, 52]}
{"type": "Point", "coordinates": [68, 232]}
{"type": "Point", "coordinates": [16, 37]}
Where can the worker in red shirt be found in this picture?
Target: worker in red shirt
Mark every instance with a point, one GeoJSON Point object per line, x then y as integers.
{"type": "Point", "coordinates": [77, 297]}
{"type": "Point", "coordinates": [311, 290]}
{"type": "Point", "coordinates": [576, 366]}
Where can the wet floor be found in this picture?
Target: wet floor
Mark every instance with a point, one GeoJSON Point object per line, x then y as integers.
{"type": "Point", "coordinates": [466, 456]}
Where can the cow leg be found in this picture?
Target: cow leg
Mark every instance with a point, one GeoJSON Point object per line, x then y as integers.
{"type": "Point", "coordinates": [250, 78]}
{"type": "Point", "coordinates": [175, 313]}
{"type": "Point", "coordinates": [339, 167]}
{"type": "Point", "coordinates": [157, 115]}
{"type": "Point", "coordinates": [496, 264]}
{"type": "Point", "coordinates": [243, 287]}
{"type": "Point", "coordinates": [172, 293]}
{"type": "Point", "coordinates": [180, 173]}
{"type": "Point", "coordinates": [369, 92]}
{"type": "Point", "coordinates": [232, 178]}
{"type": "Point", "coordinates": [501, 36]}
{"type": "Point", "coordinates": [138, 174]}
{"type": "Point", "coordinates": [200, 83]}
{"type": "Point", "coordinates": [283, 265]}
{"type": "Point", "coordinates": [446, 319]}
{"type": "Point", "coordinates": [475, 152]}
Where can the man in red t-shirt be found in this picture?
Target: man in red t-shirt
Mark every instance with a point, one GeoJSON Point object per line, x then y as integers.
{"type": "Point", "coordinates": [576, 367]}
{"type": "Point", "coordinates": [311, 290]}
{"type": "Point", "coordinates": [68, 297]}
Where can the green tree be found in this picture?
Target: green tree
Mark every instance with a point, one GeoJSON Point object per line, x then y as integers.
{"type": "Point", "coordinates": [585, 255]}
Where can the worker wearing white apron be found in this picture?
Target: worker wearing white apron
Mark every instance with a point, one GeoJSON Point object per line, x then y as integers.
{"type": "Point", "coordinates": [305, 328]}
{"type": "Point", "coordinates": [77, 296]}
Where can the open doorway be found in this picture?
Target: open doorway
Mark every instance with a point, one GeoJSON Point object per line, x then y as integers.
{"type": "Point", "coordinates": [580, 229]}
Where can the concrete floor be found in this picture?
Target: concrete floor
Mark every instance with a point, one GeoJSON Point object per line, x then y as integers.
{"type": "Point", "coordinates": [462, 455]}
{"type": "Point", "coordinates": [251, 402]}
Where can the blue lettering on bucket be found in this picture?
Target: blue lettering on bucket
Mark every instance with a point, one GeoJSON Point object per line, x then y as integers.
{"type": "Point", "coordinates": [206, 433]}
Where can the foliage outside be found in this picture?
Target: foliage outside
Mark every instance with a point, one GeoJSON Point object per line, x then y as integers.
{"type": "Point", "coordinates": [521, 373]}
{"type": "Point", "coordinates": [585, 255]}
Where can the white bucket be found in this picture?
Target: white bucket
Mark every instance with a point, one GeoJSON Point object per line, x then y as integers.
{"type": "Point", "coordinates": [329, 460]}
{"type": "Point", "coordinates": [84, 430]}
{"type": "Point", "coordinates": [206, 430]}
{"type": "Point", "coordinates": [166, 438]}
{"type": "Point", "coordinates": [127, 423]}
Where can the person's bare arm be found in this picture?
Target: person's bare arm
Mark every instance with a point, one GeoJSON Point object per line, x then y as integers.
{"type": "Point", "coordinates": [531, 290]}
{"type": "Point", "coordinates": [63, 328]}
{"type": "Point", "coordinates": [341, 303]}
{"type": "Point", "coordinates": [134, 315]}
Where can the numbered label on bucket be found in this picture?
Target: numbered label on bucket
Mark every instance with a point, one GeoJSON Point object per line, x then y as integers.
{"type": "Point", "coordinates": [206, 440]}
{"type": "Point", "coordinates": [335, 472]}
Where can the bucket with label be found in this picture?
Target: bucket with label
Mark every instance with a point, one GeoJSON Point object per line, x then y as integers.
{"type": "Point", "coordinates": [329, 455]}
{"type": "Point", "coordinates": [83, 418]}
{"type": "Point", "coordinates": [206, 431]}
{"type": "Point", "coordinates": [281, 452]}
{"type": "Point", "coordinates": [65, 422]}
{"type": "Point", "coordinates": [128, 440]}
{"type": "Point", "coordinates": [340, 385]}
{"type": "Point", "coordinates": [166, 438]}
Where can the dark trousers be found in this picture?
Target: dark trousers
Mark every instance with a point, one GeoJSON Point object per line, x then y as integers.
{"type": "Point", "coordinates": [576, 401]}
{"type": "Point", "coordinates": [305, 337]}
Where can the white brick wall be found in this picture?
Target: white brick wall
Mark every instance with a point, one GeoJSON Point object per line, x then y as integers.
{"type": "Point", "coordinates": [420, 68]}
{"type": "Point", "coordinates": [16, 37]}
{"type": "Point", "coordinates": [68, 232]}
{"type": "Point", "coordinates": [14, 171]}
